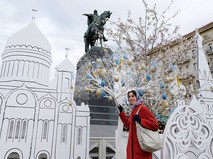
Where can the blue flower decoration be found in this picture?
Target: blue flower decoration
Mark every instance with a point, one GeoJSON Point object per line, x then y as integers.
{"type": "Point", "coordinates": [140, 92]}
{"type": "Point", "coordinates": [102, 83]}
{"type": "Point", "coordinates": [123, 84]}
{"type": "Point", "coordinates": [154, 63]}
{"type": "Point", "coordinates": [88, 76]}
{"type": "Point", "coordinates": [161, 85]}
{"type": "Point", "coordinates": [164, 97]}
{"type": "Point", "coordinates": [148, 77]}
{"type": "Point", "coordinates": [125, 57]}
{"type": "Point", "coordinates": [171, 66]}
{"type": "Point", "coordinates": [117, 61]}
{"type": "Point", "coordinates": [103, 94]}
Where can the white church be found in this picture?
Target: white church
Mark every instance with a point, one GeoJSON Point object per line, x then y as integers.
{"type": "Point", "coordinates": [38, 117]}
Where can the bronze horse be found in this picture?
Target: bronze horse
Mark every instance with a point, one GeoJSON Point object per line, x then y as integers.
{"type": "Point", "coordinates": [96, 30]}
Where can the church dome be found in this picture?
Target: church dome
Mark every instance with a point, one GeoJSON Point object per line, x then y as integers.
{"type": "Point", "coordinates": [29, 36]}
{"type": "Point", "coordinates": [27, 56]}
{"type": "Point", "coordinates": [66, 66]}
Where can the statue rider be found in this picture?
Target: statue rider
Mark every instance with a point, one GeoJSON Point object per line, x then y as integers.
{"type": "Point", "coordinates": [91, 20]}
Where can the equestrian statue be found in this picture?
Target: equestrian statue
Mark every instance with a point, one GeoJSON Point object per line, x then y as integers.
{"type": "Point", "coordinates": [95, 28]}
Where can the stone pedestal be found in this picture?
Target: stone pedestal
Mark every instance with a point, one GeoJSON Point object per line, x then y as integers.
{"type": "Point", "coordinates": [103, 112]}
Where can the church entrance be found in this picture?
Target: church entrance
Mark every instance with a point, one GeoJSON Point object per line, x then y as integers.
{"type": "Point", "coordinates": [42, 156]}
{"type": "Point", "coordinates": [13, 155]}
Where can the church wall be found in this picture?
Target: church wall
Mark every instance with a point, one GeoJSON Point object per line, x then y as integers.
{"type": "Point", "coordinates": [24, 70]}
{"type": "Point", "coordinates": [44, 136]}
{"type": "Point", "coordinates": [23, 103]}
{"type": "Point", "coordinates": [17, 121]}
{"type": "Point", "coordinates": [80, 141]}
{"type": "Point", "coordinates": [65, 130]}
{"type": "Point", "coordinates": [64, 141]}
{"type": "Point", "coordinates": [37, 117]}
{"type": "Point", "coordinates": [82, 133]}
{"type": "Point", "coordinates": [46, 122]}
{"type": "Point", "coordinates": [1, 103]}
{"type": "Point", "coordinates": [64, 85]}
{"type": "Point", "coordinates": [21, 141]}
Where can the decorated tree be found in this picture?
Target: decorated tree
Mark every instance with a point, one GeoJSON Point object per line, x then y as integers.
{"type": "Point", "coordinates": [142, 60]}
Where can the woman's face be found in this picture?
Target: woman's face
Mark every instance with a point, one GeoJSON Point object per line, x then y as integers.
{"type": "Point", "coordinates": [132, 98]}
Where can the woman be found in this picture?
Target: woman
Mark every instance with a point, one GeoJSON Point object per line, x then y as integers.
{"type": "Point", "coordinates": [145, 118]}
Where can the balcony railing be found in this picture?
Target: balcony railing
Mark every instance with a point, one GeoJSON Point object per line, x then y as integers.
{"type": "Point", "coordinates": [211, 68]}
{"type": "Point", "coordinates": [209, 51]}
{"type": "Point", "coordinates": [183, 59]}
{"type": "Point", "coordinates": [187, 74]}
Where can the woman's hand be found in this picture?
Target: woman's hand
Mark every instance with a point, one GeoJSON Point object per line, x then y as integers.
{"type": "Point", "coordinates": [120, 108]}
{"type": "Point", "coordinates": [136, 118]}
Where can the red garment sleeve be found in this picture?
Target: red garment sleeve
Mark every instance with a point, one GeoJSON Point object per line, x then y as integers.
{"type": "Point", "coordinates": [124, 119]}
{"type": "Point", "coordinates": [148, 120]}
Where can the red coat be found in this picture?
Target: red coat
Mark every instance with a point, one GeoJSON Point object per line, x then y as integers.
{"type": "Point", "coordinates": [133, 150]}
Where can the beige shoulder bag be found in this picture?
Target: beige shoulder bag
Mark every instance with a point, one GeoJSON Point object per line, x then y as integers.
{"type": "Point", "coordinates": [149, 140]}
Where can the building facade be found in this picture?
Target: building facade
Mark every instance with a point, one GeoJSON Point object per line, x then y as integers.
{"type": "Point", "coordinates": [38, 117]}
{"type": "Point", "coordinates": [187, 54]}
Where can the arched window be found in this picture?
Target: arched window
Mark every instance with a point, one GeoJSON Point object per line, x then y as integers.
{"type": "Point", "coordinates": [18, 123]}
{"type": "Point", "coordinates": [45, 130]}
{"type": "Point", "coordinates": [64, 133]}
{"type": "Point", "coordinates": [79, 136]}
{"type": "Point", "coordinates": [198, 84]}
{"type": "Point", "coordinates": [78, 157]}
{"type": "Point", "coordinates": [66, 84]}
{"type": "Point", "coordinates": [24, 126]}
{"type": "Point", "coordinates": [14, 155]}
{"type": "Point", "coordinates": [42, 156]}
{"type": "Point", "coordinates": [11, 127]}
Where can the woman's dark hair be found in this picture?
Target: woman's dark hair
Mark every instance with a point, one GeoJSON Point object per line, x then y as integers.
{"type": "Point", "coordinates": [132, 91]}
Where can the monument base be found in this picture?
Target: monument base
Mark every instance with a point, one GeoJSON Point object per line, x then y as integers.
{"type": "Point", "coordinates": [102, 111]}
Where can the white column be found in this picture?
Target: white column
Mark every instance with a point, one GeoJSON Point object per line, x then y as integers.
{"type": "Point", "coordinates": [5, 68]}
{"type": "Point", "coordinates": [2, 68]}
{"type": "Point", "coordinates": [34, 134]}
{"type": "Point", "coordinates": [15, 70]}
{"type": "Point", "coordinates": [11, 68]}
{"type": "Point", "coordinates": [53, 153]}
{"type": "Point", "coordinates": [31, 69]}
{"type": "Point", "coordinates": [102, 149]}
{"type": "Point", "coordinates": [20, 68]}
{"type": "Point", "coordinates": [35, 71]}
{"type": "Point", "coordinates": [26, 69]}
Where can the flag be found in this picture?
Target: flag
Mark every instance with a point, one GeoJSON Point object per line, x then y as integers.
{"type": "Point", "coordinates": [178, 81]}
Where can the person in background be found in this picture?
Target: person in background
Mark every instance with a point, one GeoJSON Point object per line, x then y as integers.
{"type": "Point", "coordinates": [145, 118]}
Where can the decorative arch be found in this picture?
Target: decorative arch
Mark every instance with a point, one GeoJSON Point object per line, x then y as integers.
{"type": "Point", "coordinates": [66, 107]}
{"type": "Point", "coordinates": [1, 100]}
{"type": "Point", "coordinates": [14, 152]}
{"type": "Point", "coordinates": [47, 101]}
{"type": "Point", "coordinates": [22, 96]}
{"type": "Point", "coordinates": [43, 155]}
{"type": "Point", "coordinates": [187, 126]}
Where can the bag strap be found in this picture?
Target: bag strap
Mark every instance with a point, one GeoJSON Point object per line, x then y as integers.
{"type": "Point", "coordinates": [138, 110]}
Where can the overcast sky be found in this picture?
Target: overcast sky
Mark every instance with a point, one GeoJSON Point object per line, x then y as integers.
{"type": "Point", "coordinates": [63, 23]}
